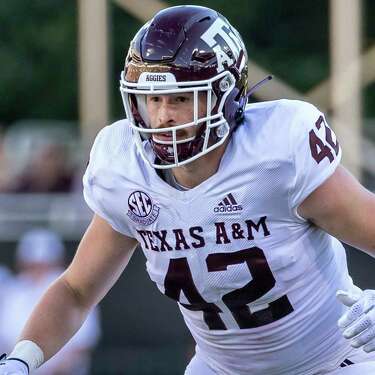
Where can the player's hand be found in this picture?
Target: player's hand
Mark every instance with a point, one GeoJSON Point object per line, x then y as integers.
{"type": "Point", "coordinates": [358, 323]}
{"type": "Point", "coordinates": [12, 367]}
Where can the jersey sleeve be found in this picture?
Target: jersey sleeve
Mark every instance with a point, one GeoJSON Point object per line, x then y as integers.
{"type": "Point", "coordinates": [315, 153]}
{"type": "Point", "coordinates": [98, 181]}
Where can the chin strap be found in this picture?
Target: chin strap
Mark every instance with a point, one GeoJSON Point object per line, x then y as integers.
{"type": "Point", "coordinates": [240, 111]}
{"type": "Point", "coordinates": [257, 85]}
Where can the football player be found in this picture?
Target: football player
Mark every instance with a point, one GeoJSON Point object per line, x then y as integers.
{"type": "Point", "coordinates": [238, 209]}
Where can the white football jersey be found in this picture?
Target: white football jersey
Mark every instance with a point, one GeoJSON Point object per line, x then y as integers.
{"type": "Point", "coordinates": [254, 281]}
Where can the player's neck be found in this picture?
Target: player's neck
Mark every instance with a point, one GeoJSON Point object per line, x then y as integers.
{"type": "Point", "coordinates": [198, 171]}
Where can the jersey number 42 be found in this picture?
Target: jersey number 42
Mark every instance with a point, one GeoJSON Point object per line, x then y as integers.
{"type": "Point", "coordinates": [179, 278]}
{"type": "Point", "coordinates": [321, 149]}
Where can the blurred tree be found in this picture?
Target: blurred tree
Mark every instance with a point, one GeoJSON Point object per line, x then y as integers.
{"type": "Point", "coordinates": [38, 53]}
{"type": "Point", "coordinates": [38, 49]}
{"type": "Point", "coordinates": [369, 41]}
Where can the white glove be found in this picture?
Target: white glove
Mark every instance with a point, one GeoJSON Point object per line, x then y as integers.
{"type": "Point", "coordinates": [13, 367]}
{"type": "Point", "coordinates": [358, 323]}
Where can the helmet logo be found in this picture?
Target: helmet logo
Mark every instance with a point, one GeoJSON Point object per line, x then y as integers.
{"type": "Point", "coordinates": [156, 78]}
{"type": "Point", "coordinates": [147, 78]}
{"type": "Point", "coordinates": [222, 30]}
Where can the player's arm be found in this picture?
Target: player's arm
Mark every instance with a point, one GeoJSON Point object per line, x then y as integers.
{"type": "Point", "coordinates": [100, 259]}
{"type": "Point", "coordinates": [344, 208]}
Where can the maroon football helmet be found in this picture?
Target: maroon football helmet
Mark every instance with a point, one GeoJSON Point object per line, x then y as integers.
{"type": "Point", "coordinates": [185, 49]}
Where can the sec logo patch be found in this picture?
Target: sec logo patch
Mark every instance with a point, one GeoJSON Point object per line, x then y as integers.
{"type": "Point", "coordinates": [142, 209]}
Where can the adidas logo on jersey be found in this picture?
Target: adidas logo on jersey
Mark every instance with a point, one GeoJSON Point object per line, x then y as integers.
{"type": "Point", "coordinates": [227, 205]}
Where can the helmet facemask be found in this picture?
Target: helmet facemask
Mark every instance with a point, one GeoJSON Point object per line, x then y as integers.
{"type": "Point", "coordinates": [173, 147]}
